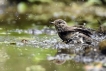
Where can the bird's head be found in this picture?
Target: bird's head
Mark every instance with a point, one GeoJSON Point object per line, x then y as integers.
{"type": "Point", "coordinates": [59, 23]}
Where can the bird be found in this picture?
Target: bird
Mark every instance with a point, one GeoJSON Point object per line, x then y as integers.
{"type": "Point", "coordinates": [75, 34]}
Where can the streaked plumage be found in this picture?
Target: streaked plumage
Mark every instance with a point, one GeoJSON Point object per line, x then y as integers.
{"type": "Point", "coordinates": [67, 33]}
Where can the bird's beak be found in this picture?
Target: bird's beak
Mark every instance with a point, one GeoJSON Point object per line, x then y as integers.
{"type": "Point", "coordinates": [52, 22]}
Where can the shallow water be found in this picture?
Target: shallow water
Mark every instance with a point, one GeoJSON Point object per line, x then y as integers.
{"type": "Point", "coordinates": [43, 50]}
{"type": "Point", "coordinates": [31, 55]}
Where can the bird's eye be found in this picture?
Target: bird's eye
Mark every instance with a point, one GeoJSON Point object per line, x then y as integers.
{"type": "Point", "coordinates": [59, 22]}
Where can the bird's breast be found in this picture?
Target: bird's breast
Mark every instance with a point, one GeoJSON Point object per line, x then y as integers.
{"type": "Point", "coordinates": [65, 35]}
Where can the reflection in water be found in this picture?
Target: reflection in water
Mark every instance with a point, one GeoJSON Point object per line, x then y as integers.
{"type": "Point", "coordinates": [59, 58]}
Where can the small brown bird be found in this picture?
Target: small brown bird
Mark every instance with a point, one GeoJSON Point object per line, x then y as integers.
{"type": "Point", "coordinates": [73, 34]}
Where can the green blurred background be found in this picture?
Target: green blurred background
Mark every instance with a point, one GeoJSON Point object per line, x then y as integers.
{"type": "Point", "coordinates": [37, 14]}
{"type": "Point", "coordinates": [25, 13]}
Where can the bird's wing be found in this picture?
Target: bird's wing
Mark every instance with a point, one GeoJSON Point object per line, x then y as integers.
{"type": "Point", "coordinates": [84, 31]}
{"type": "Point", "coordinates": [70, 28]}
{"type": "Point", "coordinates": [81, 30]}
